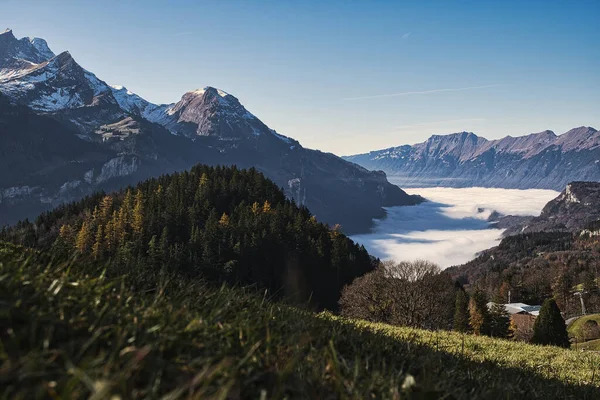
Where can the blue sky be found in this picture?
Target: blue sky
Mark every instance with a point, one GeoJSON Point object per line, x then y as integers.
{"type": "Point", "coordinates": [344, 76]}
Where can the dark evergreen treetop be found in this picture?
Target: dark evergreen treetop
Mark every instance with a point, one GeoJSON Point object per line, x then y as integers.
{"type": "Point", "coordinates": [221, 223]}
{"type": "Point", "coordinates": [549, 327]}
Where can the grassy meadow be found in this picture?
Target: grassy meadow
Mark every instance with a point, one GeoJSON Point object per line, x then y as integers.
{"type": "Point", "coordinates": [73, 331]}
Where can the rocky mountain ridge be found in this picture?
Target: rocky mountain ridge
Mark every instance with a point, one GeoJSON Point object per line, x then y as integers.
{"type": "Point", "coordinates": [139, 139]}
{"type": "Point", "coordinates": [541, 160]}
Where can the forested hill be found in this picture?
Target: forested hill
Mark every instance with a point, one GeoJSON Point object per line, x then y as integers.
{"type": "Point", "coordinates": [538, 265]}
{"type": "Point", "coordinates": [221, 223]}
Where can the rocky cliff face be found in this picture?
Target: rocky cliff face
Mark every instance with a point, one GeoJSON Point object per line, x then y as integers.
{"type": "Point", "coordinates": [540, 160]}
{"type": "Point", "coordinates": [575, 208]}
{"type": "Point", "coordinates": [104, 137]}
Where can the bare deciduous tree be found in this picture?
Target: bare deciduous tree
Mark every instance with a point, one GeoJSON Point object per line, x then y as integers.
{"type": "Point", "coordinates": [414, 294]}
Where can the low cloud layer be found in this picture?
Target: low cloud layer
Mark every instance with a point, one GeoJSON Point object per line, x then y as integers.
{"type": "Point", "coordinates": [451, 228]}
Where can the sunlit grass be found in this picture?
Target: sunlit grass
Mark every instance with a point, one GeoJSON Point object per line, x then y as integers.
{"type": "Point", "coordinates": [70, 331]}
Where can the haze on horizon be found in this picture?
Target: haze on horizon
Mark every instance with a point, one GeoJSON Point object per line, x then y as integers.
{"type": "Point", "coordinates": [345, 78]}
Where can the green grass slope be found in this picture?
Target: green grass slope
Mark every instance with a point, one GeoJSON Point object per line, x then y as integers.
{"type": "Point", "coordinates": [591, 345]}
{"type": "Point", "coordinates": [70, 331]}
{"type": "Point", "coordinates": [576, 329]}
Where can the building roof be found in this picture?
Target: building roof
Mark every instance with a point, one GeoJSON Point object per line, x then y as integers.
{"type": "Point", "coordinates": [520, 308]}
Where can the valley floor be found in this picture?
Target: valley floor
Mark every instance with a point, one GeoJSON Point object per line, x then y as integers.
{"type": "Point", "coordinates": [69, 331]}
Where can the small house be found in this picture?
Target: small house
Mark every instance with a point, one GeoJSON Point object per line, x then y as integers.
{"type": "Point", "coordinates": [522, 318]}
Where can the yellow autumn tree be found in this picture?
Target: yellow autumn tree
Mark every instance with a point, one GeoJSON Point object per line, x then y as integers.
{"type": "Point", "coordinates": [66, 233]}
{"type": "Point", "coordinates": [266, 206]}
{"type": "Point", "coordinates": [98, 246]}
{"type": "Point", "coordinates": [121, 224]}
{"type": "Point", "coordinates": [203, 180]}
{"type": "Point", "coordinates": [224, 221]}
{"type": "Point", "coordinates": [137, 223]}
{"type": "Point", "coordinates": [110, 232]}
{"type": "Point", "coordinates": [106, 208]}
{"type": "Point", "coordinates": [84, 238]}
{"type": "Point", "coordinates": [255, 208]}
{"type": "Point", "coordinates": [127, 208]}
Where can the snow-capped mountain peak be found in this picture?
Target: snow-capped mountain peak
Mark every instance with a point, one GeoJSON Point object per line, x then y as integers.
{"type": "Point", "coordinates": [16, 53]}
{"type": "Point", "coordinates": [220, 92]}
{"type": "Point", "coordinates": [32, 74]}
{"type": "Point", "coordinates": [212, 112]}
{"type": "Point", "coordinates": [42, 47]}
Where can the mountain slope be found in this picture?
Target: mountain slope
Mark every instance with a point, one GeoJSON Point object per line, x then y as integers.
{"type": "Point", "coordinates": [540, 160]}
{"type": "Point", "coordinates": [577, 206]}
{"type": "Point", "coordinates": [206, 125]}
{"type": "Point", "coordinates": [219, 223]}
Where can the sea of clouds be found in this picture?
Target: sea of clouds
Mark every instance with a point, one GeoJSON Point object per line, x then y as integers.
{"type": "Point", "coordinates": [452, 226]}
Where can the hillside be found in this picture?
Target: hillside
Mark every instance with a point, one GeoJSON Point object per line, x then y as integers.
{"type": "Point", "coordinates": [540, 160]}
{"type": "Point", "coordinates": [538, 265]}
{"type": "Point", "coordinates": [224, 224]}
{"type": "Point", "coordinates": [139, 140]}
{"type": "Point", "coordinates": [75, 332]}
{"type": "Point", "coordinates": [577, 206]}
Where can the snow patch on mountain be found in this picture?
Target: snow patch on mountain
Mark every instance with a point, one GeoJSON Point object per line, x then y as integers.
{"type": "Point", "coordinates": [136, 105]}
{"type": "Point", "coordinates": [60, 99]}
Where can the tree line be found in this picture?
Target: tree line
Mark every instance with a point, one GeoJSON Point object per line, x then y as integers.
{"type": "Point", "coordinates": [418, 294]}
{"type": "Point", "coordinates": [221, 223]}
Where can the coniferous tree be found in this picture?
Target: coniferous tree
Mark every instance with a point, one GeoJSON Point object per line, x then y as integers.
{"type": "Point", "coordinates": [221, 223]}
{"type": "Point", "coordinates": [549, 327]}
{"type": "Point", "coordinates": [106, 208]}
{"type": "Point", "coordinates": [153, 253]}
{"type": "Point", "coordinates": [137, 222]}
{"type": "Point", "coordinates": [499, 320]}
{"type": "Point", "coordinates": [98, 246]}
{"type": "Point", "coordinates": [64, 241]}
{"type": "Point", "coordinates": [84, 237]}
{"type": "Point", "coordinates": [479, 317]}
{"type": "Point", "coordinates": [461, 312]}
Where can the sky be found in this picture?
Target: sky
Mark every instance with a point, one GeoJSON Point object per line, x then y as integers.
{"type": "Point", "coordinates": [340, 76]}
{"type": "Point", "coordinates": [450, 228]}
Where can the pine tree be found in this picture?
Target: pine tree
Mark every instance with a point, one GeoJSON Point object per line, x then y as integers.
{"type": "Point", "coordinates": [127, 207]}
{"type": "Point", "coordinates": [98, 246]}
{"type": "Point", "coordinates": [110, 232]}
{"type": "Point", "coordinates": [64, 242]}
{"type": "Point", "coordinates": [549, 327]}
{"type": "Point", "coordinates": [503, 293]}
{"type": "Point", "coordinates": [499, 320]}
{"type": "Point", "coordinates": [106, 208]}
{"type": "Point", "coordinates": [121, 224]}
{"type": "Point", "coordinates": [153, 253]}
{"type": "Point", "coordinates": [164, 245]}
{"type": "Point", "coordinates": [224, 221]}
{"type": "Point", "coordinates": [84, 238]}
{"type": "Point", "coordinates": [137, 222]}
{"type": "Point", "coordinates": [461, 312]}
{"type": "Point", "coordinates": [203, 180]}
{"type": "Point", "coordinates": [266, 206]}
{"type": "Point", "coordinates": [479, 318]}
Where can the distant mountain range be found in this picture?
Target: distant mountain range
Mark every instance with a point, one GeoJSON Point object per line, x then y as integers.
{"type": "Point", "coordinates": [540, 160]}
{"type": "Point", "coordinates": [65, 133]}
